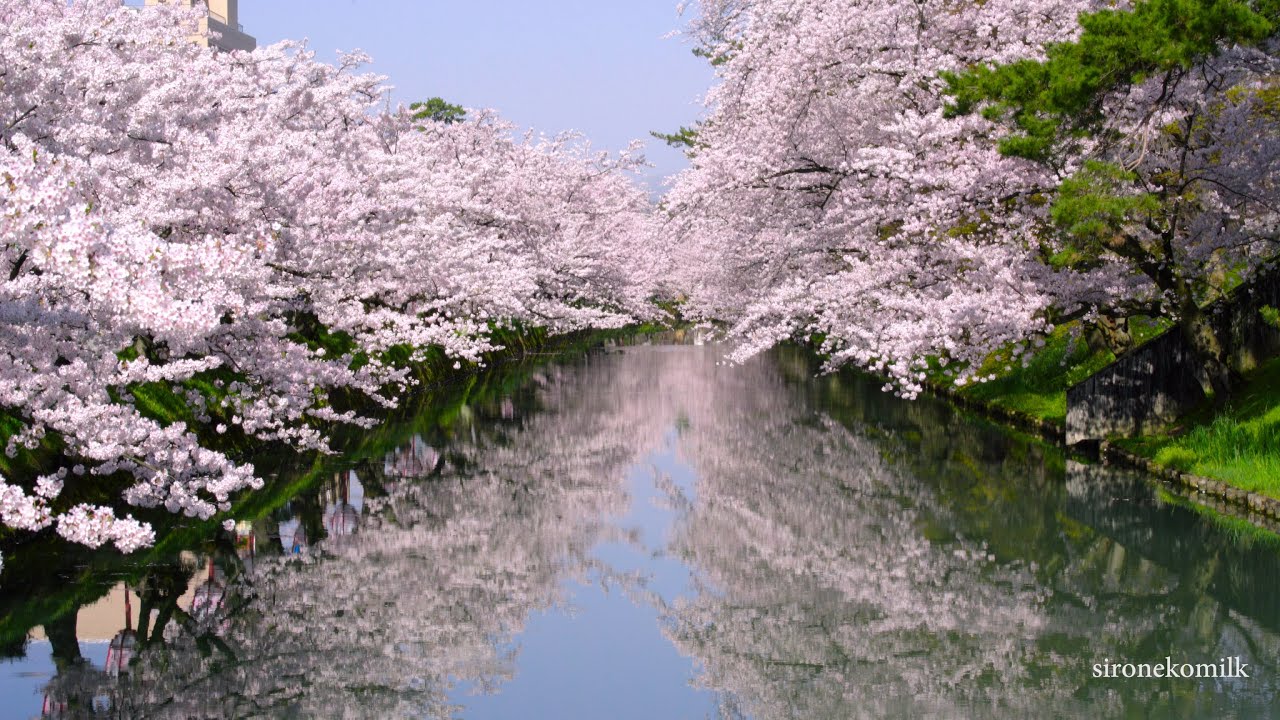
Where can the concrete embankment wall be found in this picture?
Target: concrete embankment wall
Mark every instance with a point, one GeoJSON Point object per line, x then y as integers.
{"type": "Point", "coordinates": [1154, 384]}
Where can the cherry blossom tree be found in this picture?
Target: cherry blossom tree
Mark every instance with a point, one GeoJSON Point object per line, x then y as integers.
{"type": "Point", "coordinates": [1159, 124]}
{"type": "Point", "coordinates": [836, 202]}
{"type": "Point", "coordinates": [203, 221]}
{"type": "Point", "coordinates": [837, 196]}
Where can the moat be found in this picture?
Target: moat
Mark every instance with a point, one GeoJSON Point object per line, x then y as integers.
{"type": "Point", "coordinates": [647, 531]}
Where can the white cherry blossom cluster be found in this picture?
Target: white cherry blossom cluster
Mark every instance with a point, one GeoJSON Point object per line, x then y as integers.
{"type": "Point", "coordinates": [831, 198]}
{"type": "Point", "coordinates": [173, 214]}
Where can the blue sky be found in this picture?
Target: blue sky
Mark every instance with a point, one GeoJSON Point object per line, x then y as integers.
{"type": "Point", "coordinates": [602, 67]}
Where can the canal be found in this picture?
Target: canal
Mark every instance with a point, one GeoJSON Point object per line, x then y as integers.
{"type": "Point", "coordinates": [646, 531]}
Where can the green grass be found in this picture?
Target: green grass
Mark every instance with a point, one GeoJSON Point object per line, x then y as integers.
{"type": "Point", "coordinates": [1039, 387]}
{"type": "Point", "coordinates": [1239, 445]}
{"type": "Point", "coordinates": [49, 448]}
{"type": "Point", "coordinates": [1036, 384]}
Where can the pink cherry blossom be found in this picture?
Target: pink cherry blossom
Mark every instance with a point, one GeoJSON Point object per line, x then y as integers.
{"type": "Point", "coordinates": [831, 198]}
{"type": "Point", "coordinates": [170, 212]}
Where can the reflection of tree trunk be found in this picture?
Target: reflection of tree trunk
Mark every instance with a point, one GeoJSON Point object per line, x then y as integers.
{"type": "Point", "coordinates": [1201, 576]}
{"type": "Point", "coordinates": [160, 590]}
{"type": "Point", "coordinates": [1216, 375]}
{"type": "Point", "coordinates": [144, 618]}
{"type": "Point", "coordinates": [62, 636]}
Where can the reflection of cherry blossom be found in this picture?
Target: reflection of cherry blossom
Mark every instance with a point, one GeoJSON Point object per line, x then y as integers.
{"type": "Point", "coordinates": [445, 568]}
{"type": "Point", "coordinates": [415, 460]}
{"type": "Point", "coordinates": [853, 556]}
{"type": "Point", "coordinates": [837, 576]}
{"type": "Point", "coordinates": [818, 594]}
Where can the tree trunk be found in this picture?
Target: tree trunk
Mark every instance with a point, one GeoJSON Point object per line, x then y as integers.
{"type": "Point", "coordinates": [1211, 353]}
{"type": "Point", "coordinates": [1107, 334]}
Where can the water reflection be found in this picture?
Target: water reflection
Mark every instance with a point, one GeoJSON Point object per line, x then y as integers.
{"type": "Point", "coordinates": [858, 557]}
{"type": "Point", "coordinates": [427, 570]}
{"type": "Point", "coordinates": [848, 555]}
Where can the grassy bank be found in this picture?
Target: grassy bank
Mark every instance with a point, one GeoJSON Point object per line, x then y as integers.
{"type": "Point", "coordinates": [1037, 386]}
{"type": "Point", "coordinates": [1239, 444]}
{"type": "Point", "coordinates": [1243, 533]}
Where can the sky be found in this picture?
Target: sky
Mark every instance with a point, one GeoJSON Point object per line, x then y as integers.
{"type": "Point", "coordinates": [600, 67]}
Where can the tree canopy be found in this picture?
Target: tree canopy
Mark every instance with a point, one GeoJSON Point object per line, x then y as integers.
{"type": "Point", "coordinates": [917, 185]}
{"type": "Point", "coordinates": [437, 110]}
{"type": "Point", "coordinates": [1159, 122]}
{"type": "Point", "coordinates": [243, 234]}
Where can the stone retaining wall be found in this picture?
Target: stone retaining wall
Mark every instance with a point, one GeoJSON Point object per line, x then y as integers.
{"type": "Point", "coordinates": [1150, 386]}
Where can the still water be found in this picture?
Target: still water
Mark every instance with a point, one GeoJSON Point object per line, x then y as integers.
{"type": "Point", "coordinates": [646, 532]}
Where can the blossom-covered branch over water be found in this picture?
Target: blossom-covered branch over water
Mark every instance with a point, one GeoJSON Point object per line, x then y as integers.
{"type": "Point", "coordinates": [203, 221]}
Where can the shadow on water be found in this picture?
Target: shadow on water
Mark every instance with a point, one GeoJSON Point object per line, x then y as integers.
{"type": "Point", "coordinates": [850, 555]}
